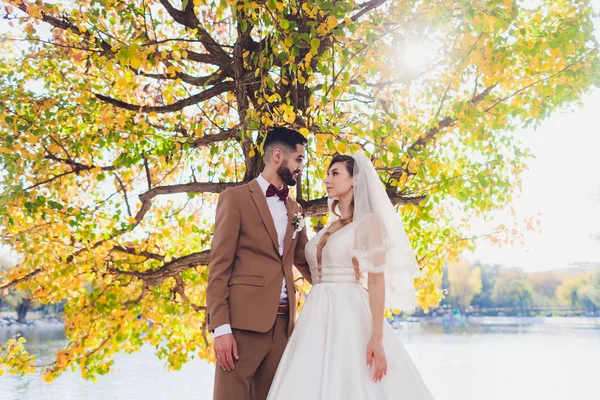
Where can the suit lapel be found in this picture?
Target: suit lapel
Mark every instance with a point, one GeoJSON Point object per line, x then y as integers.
{"type": "Point", "coordinates": [290, 228]}
{"type": "Point", "coordinates": [263, 209]}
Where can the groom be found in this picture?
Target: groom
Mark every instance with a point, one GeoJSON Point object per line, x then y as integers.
{"type": "Point", "coordinates": [250, 295]}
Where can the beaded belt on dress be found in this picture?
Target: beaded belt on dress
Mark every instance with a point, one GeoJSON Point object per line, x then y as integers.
{"type": "Point", "coordinates": [335, 274]}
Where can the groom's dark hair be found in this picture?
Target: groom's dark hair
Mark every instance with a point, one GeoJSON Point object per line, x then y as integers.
{"type": "Point", "coordinates": [284, 138]}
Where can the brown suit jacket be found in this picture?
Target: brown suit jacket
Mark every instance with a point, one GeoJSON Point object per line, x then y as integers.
{"type": "Point", "coordinates": [246, 270]}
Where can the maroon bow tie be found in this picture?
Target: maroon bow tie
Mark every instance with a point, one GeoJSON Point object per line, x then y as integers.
{"type": "Point", "coordinates": [281, 193]}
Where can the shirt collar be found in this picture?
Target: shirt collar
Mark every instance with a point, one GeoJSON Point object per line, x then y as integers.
{"type": "Point", "coordinates": [264, 184]}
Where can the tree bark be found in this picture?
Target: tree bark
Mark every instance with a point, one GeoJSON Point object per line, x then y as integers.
{"type": "Point", "coordinates": [22, 310]}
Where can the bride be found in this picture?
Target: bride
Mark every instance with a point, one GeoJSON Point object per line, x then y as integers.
{"type": "Point", "coordinates": [341, 347]}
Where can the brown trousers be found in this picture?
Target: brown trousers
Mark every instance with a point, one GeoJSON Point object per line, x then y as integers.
{"type": "Point", "coordinates": [259, 357]}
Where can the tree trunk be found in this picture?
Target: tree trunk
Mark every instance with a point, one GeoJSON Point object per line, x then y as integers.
{"type": "Point", "coordinates": [22, 310]}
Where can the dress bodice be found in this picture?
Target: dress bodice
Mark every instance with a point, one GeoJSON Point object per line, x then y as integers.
{"type": "Point", "coordinates": [336, 259]}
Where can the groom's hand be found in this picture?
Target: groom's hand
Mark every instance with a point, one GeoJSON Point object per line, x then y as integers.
{"type": "Point", "coordinates": [226, 350]}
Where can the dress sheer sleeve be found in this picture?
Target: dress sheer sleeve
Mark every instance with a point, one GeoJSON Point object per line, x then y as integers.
{"type": "Point", "coordinates": [371, 244]}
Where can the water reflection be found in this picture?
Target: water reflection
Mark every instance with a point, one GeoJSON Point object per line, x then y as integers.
{"type": "Point", "coordinates": [471, 362]}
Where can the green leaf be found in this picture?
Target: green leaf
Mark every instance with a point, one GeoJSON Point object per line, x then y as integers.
{"type": "Point", "coordinates": [55, 205]}
{"type": "Point", "coordinates": [314, 43]}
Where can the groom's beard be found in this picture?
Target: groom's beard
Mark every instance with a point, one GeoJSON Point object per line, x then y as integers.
{"type": "Point", "coordinates": [286, 175]}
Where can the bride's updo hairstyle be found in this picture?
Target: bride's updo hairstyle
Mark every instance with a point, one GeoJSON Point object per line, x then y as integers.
{"type": "Point", "coordinates": [349, 163]}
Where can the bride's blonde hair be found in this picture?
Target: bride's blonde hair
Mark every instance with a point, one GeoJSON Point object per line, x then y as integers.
{"type": "Point", "coordinates": [349, 163]}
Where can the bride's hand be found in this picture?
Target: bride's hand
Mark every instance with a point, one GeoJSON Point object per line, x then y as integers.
{"type": "Point", "coordinates": [375, 353]}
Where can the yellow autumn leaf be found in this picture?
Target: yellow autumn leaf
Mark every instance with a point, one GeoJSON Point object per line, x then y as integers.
{"type": "Point", "coordinates": [176, 55]}
{"type": "Point", "coordinates": [341, 147]}
{"type": "Point", "coordinates": [172, 70]}
{"type": "Point", "coordinates": [121, 120]}
{"type": "Point", "coordinates": [266, 120]}
{"type": "Point", "coordinates": [322, 29]}
{"type": "Point", "coordinates": [332, 22]}
{"type": "Point", "coordinates": [34, 11]}
{"type": "Point", "coordinates": [273, 98]}
{"type": "Point", "coordinates": [489, 21]}
{"type": "Point", "coordinates": [289, 117]}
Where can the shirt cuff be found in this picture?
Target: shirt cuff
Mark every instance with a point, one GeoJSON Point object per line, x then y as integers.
{"type": "Point", "coordinates": [221, 330]}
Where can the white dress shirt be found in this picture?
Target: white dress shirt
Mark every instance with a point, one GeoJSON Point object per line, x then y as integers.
{"type": "Point", "coordinates": [280, 219]}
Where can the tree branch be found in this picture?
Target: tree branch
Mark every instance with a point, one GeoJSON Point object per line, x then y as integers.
{"type": "Point", "coordinates": [423, 140]}
{"type": "Point", "coordinates": [65, 24]}
{"type": "Point", "coordinates": [135, 252]}
{"type": "Point", "coordinates": [77, 166]}
{"type": "Point", "coordinates": [137, 300]}
{"type": "Point", "coordinates": [192, 187]}
{"type": "Point", "coordinates": [147, 169]}
{"type": "Point", "coordinates": [318, 207]}
{"type": "Point", "coordinates": [23, 278]}
{"type": "Point", "coordinates": [124, 194]}
{"type": "Point", "coordinates": [366, 7]}
{"type": "Point", "coordinates": [446, 122]}
{"type": "Point", "coordinates": [189, 19]}
{"type": "Point", "coordinates": [192, 80]}
{"type": "Point", "coordinates": [216, 90]}
{"type": "Point", "coordinates": [171, 269]}
{"type": "Point", "coordinates": [218, 137]}
{"type": "Point", "coordinates": [541, 80]}
{"type": "Point", "coordinates": [180, 288]}
{"type": "Point", "coordinates": [54, 177]}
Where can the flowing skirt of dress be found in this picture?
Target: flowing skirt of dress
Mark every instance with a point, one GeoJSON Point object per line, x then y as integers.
{"type": "Point", "coordinates": [326, 357]}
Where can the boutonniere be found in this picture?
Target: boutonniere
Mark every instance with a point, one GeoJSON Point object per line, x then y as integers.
{"type": "Point", "coordinates": [298, 222]}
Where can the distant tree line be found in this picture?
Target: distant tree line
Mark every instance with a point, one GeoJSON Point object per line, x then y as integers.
{"type": "Point", "coordinates": [482, 287]}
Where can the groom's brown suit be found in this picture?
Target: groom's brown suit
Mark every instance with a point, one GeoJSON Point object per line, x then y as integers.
{"type": "Point", "coordinates": [244, 288]}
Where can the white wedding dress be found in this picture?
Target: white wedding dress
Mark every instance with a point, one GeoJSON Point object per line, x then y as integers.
{"type": "Point", "coordinates": [326, 356]}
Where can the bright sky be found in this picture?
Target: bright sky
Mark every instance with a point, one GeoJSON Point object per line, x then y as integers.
{"type": "Point", "coordinates": [563, 184]}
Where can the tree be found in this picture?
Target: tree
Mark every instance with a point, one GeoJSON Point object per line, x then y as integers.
{"type": "Point", "coordinates": [150, 108]}
{"type": "Point", "coordinates": [544, 285]}
{"type": "Point", "coordinates": [512, 290]}
{"type": "Point", "coordinates": [589, 293]}
{"type": "Point", "coordinates": [489, 273]}
{"type": "Point", "coordinates": [581, 290]}
{"type": "Point", "coordinates": [465, 283]}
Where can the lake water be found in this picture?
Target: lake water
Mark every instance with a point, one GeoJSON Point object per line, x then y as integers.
{"type": "Point", "coordinates": [549, 361]}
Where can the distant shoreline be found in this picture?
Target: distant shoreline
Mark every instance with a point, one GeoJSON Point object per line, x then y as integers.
{"type": "Point", "coordinates": [548, 321]}
{"type": "Point", "coordinates": [57, 323]}
{"type": "Point", "coordinates": [34, 320]}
